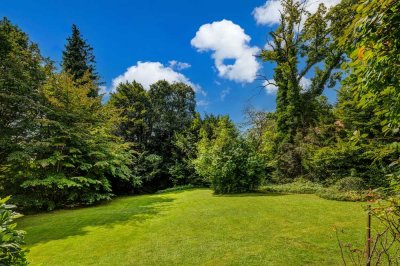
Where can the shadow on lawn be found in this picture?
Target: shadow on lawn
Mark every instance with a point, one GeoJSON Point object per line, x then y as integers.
{"type": "Point", "coordinates": [65, 223]}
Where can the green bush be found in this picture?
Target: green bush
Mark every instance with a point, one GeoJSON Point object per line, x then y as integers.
{"type": "Point", "coordinates": [334, 194]}
{"type": "Point", "coordinates": [11, 240]}
{"type": "Point", "coordinates": [350, 183]}
{"type": "Point", "coordinates": [177, 188]}
{"type": "Point", "coordinates": [237, 170]}
{"type": "Point", "coordinates": [299, 186]}
{"type": "Point", "coordinates": [228, 162]}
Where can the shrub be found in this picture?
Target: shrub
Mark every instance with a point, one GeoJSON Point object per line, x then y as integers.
{"type": "Point", "coordinates": [228, 162]}
{"type": "Point", "coordinates": [299, 186]}
{"type": "Point", "coordinates": [350, 183]}
{"type": "Point", "coordinates": [177, 188]}
{"type": "Point", "coordinates": [237, 170]}
{"type": "Point", "coordinates": [11, 240]}
{"type": "Point", "coordinates": [334, 194]}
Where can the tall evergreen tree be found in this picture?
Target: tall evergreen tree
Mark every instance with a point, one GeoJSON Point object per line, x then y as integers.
{"type": "Point", "coordinates": [78, 58]}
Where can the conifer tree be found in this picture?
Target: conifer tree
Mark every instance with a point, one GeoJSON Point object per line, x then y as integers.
{"type": "Point", "coordinates": [78, 58]}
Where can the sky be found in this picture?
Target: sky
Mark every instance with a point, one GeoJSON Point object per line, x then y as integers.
{"type": "Point", "coordinates": [208, 44]}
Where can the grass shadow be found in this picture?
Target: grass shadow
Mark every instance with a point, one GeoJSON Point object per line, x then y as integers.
{"type": "Point", "coordinates": [62, 224]}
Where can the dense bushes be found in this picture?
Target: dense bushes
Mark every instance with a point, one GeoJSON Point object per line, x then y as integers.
{"type": "Point", "coordinates": [347, 189]}
{"type": "Point", "coordinates": [11, 240]}
{"type": "Point", "coordinates": [228, 162]}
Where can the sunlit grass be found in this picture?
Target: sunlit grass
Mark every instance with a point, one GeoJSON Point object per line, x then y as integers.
{"type": "Point", "coordinates": [196, 228]}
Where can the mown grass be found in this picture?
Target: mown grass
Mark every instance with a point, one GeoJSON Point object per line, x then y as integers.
{"type": "Point", "coordinates": [195, 227]}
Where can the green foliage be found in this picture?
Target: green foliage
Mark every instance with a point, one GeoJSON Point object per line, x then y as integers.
{"type": "Point", "coordinates": [299, 186]}
{"type": "Point", "coordinates": [293, 43]}
{"type": "Point", "coordinates": [332, 193]}
{"type": "Point", "coordinates": [74, 154]}
{"type": "Point", "coordinates": [136, 113]}
{"type": "Point", "coordinates": [229, 162]}
{"type": "Point", "coordinates": [78, 60]}
{"type": "Point", "coordinates": [350, 183]}
{"type": "Point", "coordinates": [372, 42]}
{"type": "Point", "coordinates": [11, 240]}
{"type": "Point", "coordinates": [176, 188]}
{"type": "Point", "coordinates": [23, 70]}
{"type": "Point", "coordinates": [302, 186]}
{"type": "Point", "coordinates": [163, 125]}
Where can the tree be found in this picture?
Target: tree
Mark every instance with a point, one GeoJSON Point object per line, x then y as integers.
{"type": "Point", "coordinates": [161, 124]}
{"type": "Point", "coordinates": [173, 110]}
{"type": "Point", "coordinates": [78, 58]}
{"type": "Point", "coordinates": [230, 163]}
{"type": "Point", "coordinates": [301, 39]}
{"type": "Point", "coordinates": [372, 42]}
{"type": "Point", "coordinates": [23, 70]}
{"type": "Point", "coordinates": [135, 106]}
{"type": "Point", "coordinates": [74, 156]}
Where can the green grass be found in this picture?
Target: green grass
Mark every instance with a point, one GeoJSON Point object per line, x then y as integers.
{"type": "Point", "coordinates": [194, 227]}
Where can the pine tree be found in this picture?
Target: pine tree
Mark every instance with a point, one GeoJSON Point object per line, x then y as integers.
{"type": "Point", "coordinates": [78, 58]}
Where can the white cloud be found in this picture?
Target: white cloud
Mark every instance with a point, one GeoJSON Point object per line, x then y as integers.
{"type": "Point", "coordinates": [178, 65]}
{"type": "Point", "coordinates": [228, 41]}
{"type": "Point", "coordinates": [270, 87]}
{"type": "Point", "coordinates": [269, 13]}
{"type": "Point", "coordinates": [148, 73]}
{"type": "Point", "coordinates": [224, 93]}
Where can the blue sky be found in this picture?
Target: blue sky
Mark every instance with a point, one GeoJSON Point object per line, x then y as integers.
{"type": "Point", "coordinates": [162, 36]}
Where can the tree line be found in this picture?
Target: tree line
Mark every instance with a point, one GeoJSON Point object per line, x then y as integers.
{"type": "Point", "coordinates": [62, 145]}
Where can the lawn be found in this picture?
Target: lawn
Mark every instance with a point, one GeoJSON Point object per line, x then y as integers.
{"type": "Point", "coordinates": [195, 227]}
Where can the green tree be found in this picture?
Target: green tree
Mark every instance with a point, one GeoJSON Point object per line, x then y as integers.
{"type": "Point", "coordinates": [78, 58]}
{"type": "Point", "coordinates": [173, 111]}
{"type": "Point", "coordinates": [134, 103]}
{"type": "Point", "coordinates": [372, 43]}
{"type": "Point", "coordinates": [23, 71]}
{"type": "Point", "coordinates": [301, 44]}
{"type": "Point", "coordinates": [74, 156]}
{"type": "Point", "coordinates": [228, 162]}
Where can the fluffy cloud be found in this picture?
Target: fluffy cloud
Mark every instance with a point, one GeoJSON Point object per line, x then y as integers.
{"type": "Point", "coordinates": [147, 73]}
{"type": "Point", "coordinates": [269, 13]}
{"type": "Point", "coordinates": [228, 41]}
{"type": "Point", "coordinates": [271, 88]}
